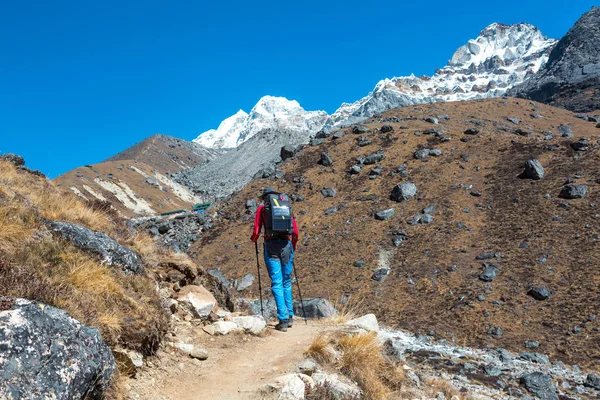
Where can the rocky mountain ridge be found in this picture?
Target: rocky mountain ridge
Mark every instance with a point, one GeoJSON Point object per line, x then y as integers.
{"type": "Point", "coordinates": [571, 77]}
{"type": "Point", "coordinates": [500, 57]}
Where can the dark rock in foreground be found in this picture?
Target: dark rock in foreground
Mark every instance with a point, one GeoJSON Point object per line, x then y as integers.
{"type": "Point", "coordinates": [403, 191]}
{"type": "Point", "coordinates": [539, 293]}
{"type": "Point", "coordinates": [533, 170]}
{"type": "Point", "coordinates": [47, 354]}
{"type": "Point", "coordinates": [573, 192]}
{"type": "Point", "coordinates": [98, 243]}
{"type": "Point", "coordinates": [540, 385]}
{"type": "Point", "coordinates": [489, 272]}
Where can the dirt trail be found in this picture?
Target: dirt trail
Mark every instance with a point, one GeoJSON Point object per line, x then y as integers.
{"type": "Point", "coordinates": [238, 366]}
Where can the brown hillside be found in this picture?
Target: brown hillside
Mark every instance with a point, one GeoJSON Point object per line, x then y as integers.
{"type": "Point", "coordinates": [138, 180]}
{"type": "Point", "coordinates": [433, 283]}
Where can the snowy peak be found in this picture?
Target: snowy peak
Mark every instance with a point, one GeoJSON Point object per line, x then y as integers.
{"type": "Point", "coordinates": [501, 57]}
{"type": "Point", "coordinates": [269, 113]}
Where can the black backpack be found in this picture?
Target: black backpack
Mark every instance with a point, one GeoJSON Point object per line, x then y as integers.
{"type": "Point", "coordinates": [278, 215]}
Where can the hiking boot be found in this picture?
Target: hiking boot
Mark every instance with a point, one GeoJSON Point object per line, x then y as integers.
{"type": "Point", "coordinates": [282, 326]}
{"type": "Point", "coordinates": [290, 322]}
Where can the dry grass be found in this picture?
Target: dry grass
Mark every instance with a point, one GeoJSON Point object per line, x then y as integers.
{"type": "Point", "coordinates": [348, 311]}
{"type": "Point", "coordinates": [37, 266]}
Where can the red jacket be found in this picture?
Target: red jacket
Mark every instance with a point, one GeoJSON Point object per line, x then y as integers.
{"type": "Point", "coordinates": [259, 221]}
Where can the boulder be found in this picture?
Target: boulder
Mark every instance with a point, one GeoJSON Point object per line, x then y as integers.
{"type": "Point", "coordinates": [373, 158]}
{"type": "Point", "coordinates": [367, 322]}
{"type": "Point", "coordinates": [359, 129]}
{"type": "Point", "coordinates": [287, 152]}
{"type": "Point", "coordinates": [540, 385]}
{"type": "Point", "coordinates": [385, 214]}
{"type": "Point", "coordinates": [328, 192]}
{"type": "Point", "coordinates": [565, 131]}
{"type": "Point", "coordinates": [14, 159]}
{"type": "Point", "coordinates": [315, 308]}
{"type": "Point", "coordinates": [251, 323]}
{"type": "Point", "coordinates": [196, 300]}
{"type": "Point", "coordinates": [244, 283]}
{"type": "Point", "coordinates": [537, 358]}
{"type": "Point", "coordinates": [325, 160]}
{"type": "Point", "coordinates": [573, 192]}
{"type": "Point", "coordinates": [98, 243]}
{"type": "Point", "coordinates": [387, 128]}
{"type": "Point", "coordinates": [403, 191]}
{"type": "Point", "coordinates": [291, 386]}
{"type": "Point", "coordinates": [44, 353]}
{"type": "Point", "coordinates": [593, 381]}
{"type": "Point", "coordinates": [355, 170]}
{"type": "Point", "coordinates": [224, 328]}
{"type": "Point", "coordinates": [489, 272]}
{"type": "Point", "coordinates": [533, 170]}
{"type": "Point", "coordinates": [539, 293]}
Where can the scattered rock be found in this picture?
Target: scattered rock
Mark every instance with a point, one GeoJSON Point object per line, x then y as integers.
{"type": "Point", "coordinates": [48, 354]}
{"type": "Point", "coordinates": [573, 192]}
{"type": "Point", "coordinates": [355, 170]}
{"type": "Point", "coordinates": [315, 308]}
{"type": "Point", "coordinates": [328, 192]}
{"type": "Point", "coordinates": [593, 381]}
{"type": "Point", "coordinates": [287, 152]}
{"type": "Point", "coordinates": [385, 214]}
{"type": "Point", "coordinates": [252, 324]}
{"type": "Point", "coordinates": [152, 182]}
{"type": "Point", "coordinates": [535, 357]}
{"type": "Point", "coordinates": [360, 129]}
{"type": "Point", "coordinates": [98, 243]}
{"type": "Point", "coordinates": [196, 300]}
{"type": "Point", "coordinates": [533, 170]}
{"type": "Point", "coordinates": [471, 131]}
{"type": "Point", "coordinates": [223, 328]}
{"type": "Point", "coordinates": [359, 263]}
{"type": "Point", "coordinates": [325, 160]}
{"type": "Point", "coordinates": [380, 274]}
{"type": "Point", "coordinates": [515, 121]}
{"type": "Point", "coordinates": [199, 353]}
{"type": "Point", "coordinates": [432, 120]}
{"type": "Point", "coordinates": [373, 158]}
{"type": "Point", "coordinates": [421, 154]}
{"type": "Point", "coordinates": [244, 283]}
{"type": "Point", "coordinates": [540, 385]}
{"type": "Point", "coordinates": [539, 293]}
{"type": "Point", "coordinates": [403, 191]}
{"type": "Point", "coordinates": [386, 129]}
{"type": "Point", "coordinates": [489, 272]}
{"type": "Point", "coordinates": [565, 131]}
{"type": "Point", "coordinates": [337, 135]}
{"type": "Point", "coordinates": [367, 322]}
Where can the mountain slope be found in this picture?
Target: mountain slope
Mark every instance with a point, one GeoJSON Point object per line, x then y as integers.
{"type": "Point", "coordinates": [481, 206]}
{"type": "Point", "coordinates": [571, 78]}
{"type": "Point", "coordinates": [138, 180]}
{"type": "Point", "coordinates": [270, 113]}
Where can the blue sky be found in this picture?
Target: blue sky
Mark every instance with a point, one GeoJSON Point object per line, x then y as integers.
{"type": "Point", "coordinates": [82, 80]}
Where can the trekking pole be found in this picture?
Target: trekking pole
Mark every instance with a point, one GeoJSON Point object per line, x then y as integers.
{"type": "Point", "coordinates": [262, 312]}
{"type": "Point", "coordinates": [299, 292]}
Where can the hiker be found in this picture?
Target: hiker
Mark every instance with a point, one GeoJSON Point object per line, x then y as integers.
{"type": "Point", "coordinates": [281, 236]}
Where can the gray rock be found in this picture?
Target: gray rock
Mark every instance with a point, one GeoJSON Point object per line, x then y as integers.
{"type": "Point", "coordinates": [573, 192]}
{"type": "Point", "coordinates": [533, 170]}
{"type": "Point", "coordinates": [385, 214]}
{"type": "Point", "coordinates": [387, 128]}
{"type": "Point", "coordinates": [397, 240]}
{"type": "Point", "coordinates": [540, 385]}
{"type": "Point", "coordinates": [535, 358]}
{"type": "Point", "coordinates": [421, 154]}
{"type": "Point", "coordinates": [432, 120]}
{"type": "Point", "coordinates": [360, 129]}
{"type": "Point", "coordinates": [496, 331]}
{"type": "Point", "coordinates": [48, 354]}
{"type": "Point", "coordinates": [322, 135]}
{"type": "Point", "coordinates": [244, 283]}
{"type": "Point", "coordinates": [199, 353]}
{"type": "Point", "coordinates": [380, 274]}
{"type": "Point", "coordinates": [427, 219]}
{"type": "Point", "coordinates": [328, 192]}
{"type": "Point", "coordinates": [316, 142]}
{"type": "Point", "coordinates": [286, 152]}
{"type": "Point", "coordinates": [355, 170]}
{"type": "Point", "coordinates": [331, 210]}
{"type": "Point", "coordinates": [435, 152]}
{"type": "Point", "coordinates": [539, 293]}
{"type": "Point", "coordinates": [471, 131]}
{"type": "Point", "coordinates": [14, 159]}
{"type": "Point", "coordinates": [325, 160]}
{"type": "Point", "coordinates": [403, 191]}
{"type": "Point", "coordinates": [359, 263]}
{"type": "Point", "coordinates": [108, 250]}
{"type": "Point", "coordinates": [581, 145]}
{"type": "Point", "coordinates": [593, 381]}
{"type": "Point", "coordinates": [373, 158]}
{"type": "Point", "coordinates": [152, 182]}
{"type": "Point", "coordinates": [251, 204]}
{"type": "Point", "coordinates": [415, 219]}
{"type": "Point", "coordinates": [315, 308]}
{"type": "Point", "coordinates": [515, 121]}
{"type": "Point", "coordinates": [489, 272]}
{"type": "Point", "coordinates": [565, 131]}
{"type": "Point", "coordinates": [532, 344]}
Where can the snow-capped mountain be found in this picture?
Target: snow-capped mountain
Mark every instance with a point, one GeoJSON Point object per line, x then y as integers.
{"type": "Point", "coordinates": [501, 57]}
{"type": "Point", "coordinates": [270, 113]}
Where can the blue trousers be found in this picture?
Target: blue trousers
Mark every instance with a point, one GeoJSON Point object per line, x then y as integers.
{"type": "Point", "coordinates": [279, 258]}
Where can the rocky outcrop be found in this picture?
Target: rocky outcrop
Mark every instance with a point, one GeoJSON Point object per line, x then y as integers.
{"type": "Point", "coordinates": [571, 77]}
{"type": "Point", "coordinates": [44, 353]}
{"type": "Point", "coordinates": [108, 250]}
